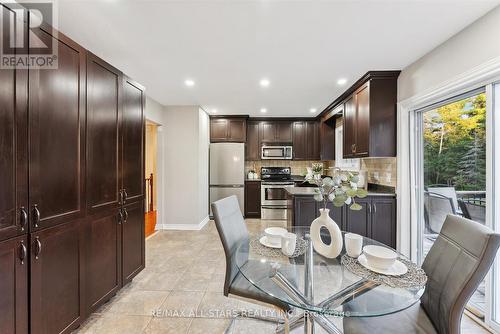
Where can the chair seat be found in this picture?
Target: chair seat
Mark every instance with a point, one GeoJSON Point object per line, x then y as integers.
{"type": "Point", "coordinates": [243, 288]}
{"type": "Point", "coordinates": [413, 320]}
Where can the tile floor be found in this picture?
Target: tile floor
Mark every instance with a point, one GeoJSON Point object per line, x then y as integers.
{"type": "Point", "coordinates": [183, 278]}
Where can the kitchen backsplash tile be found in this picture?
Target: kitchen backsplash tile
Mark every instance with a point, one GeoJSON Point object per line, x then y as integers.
{"type": "Point", "coordinates": [381, 171]}
{"type": "Point", "coordinates": [298, 167]}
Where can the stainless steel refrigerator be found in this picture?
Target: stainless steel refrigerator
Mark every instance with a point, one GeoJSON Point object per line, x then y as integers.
{"type": "Point", "coordinates": [227, 171]}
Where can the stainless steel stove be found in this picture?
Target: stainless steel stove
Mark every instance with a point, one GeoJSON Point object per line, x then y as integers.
{"type": "Point", "coordinates": [275, 180]}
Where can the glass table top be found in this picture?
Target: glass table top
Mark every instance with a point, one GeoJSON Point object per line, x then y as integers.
{"type": "Point", "coordinates": [335, 290]}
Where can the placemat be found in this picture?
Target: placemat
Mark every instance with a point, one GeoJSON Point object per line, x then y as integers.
{"type": "Point", "coordinates": [415, 277]}
{"type": "Point", "coordinates": [258, 248]}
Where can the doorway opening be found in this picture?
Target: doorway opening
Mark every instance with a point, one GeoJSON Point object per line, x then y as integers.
{"type": "Point", "coordinates": [150, 177]}
{"type": "Point", "coordinates": [452, 141]}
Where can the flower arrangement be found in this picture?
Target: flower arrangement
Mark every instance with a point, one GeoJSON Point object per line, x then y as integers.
{"type": "Point", "coordinates": [340, 189]}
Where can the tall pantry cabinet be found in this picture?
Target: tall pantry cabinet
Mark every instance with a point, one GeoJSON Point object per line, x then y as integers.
{"type": "Point", "coordinates": [71, 188]}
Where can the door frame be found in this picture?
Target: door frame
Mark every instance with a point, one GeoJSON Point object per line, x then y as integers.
{"type": "Point", "coordinates": [483, 75]}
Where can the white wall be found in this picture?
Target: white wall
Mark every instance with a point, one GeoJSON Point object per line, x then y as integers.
{"type": "Point", "coordinates": [203, 158]}
{"type": "Point", "coordinates": [473, 46]}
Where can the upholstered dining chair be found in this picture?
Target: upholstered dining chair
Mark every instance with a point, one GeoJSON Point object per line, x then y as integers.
{"type": "Point", "coordinates": [232, 231]}
{"type": "Point", "coordinates": [455, 265]}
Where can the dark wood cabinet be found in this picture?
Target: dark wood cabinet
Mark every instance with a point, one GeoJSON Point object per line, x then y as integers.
{"type": "Point", "coordinates": [103, 258]}
{"type": "Point", "coordinates": [14, 210]}
{"type": "Point", "coordinates": [132, 143]}
{"type": "Point", "coordinates": [14, 259]}
{"type": "Point", "coordinates": [306, 144]}
{"type": "Point", "coordinates": [252, 199]}
{"type": "Point", "coordinates": [376, 219]}
{"type": "Point", "coordinates": [275, 131]}
{"type": "Point", "coordinates": [56, 282]}
{"type": "Point", "coordinates": [104, 94]}
{"type": "Point", "coordinates": [133, 247]}
{"type": "Point", "coordinates": [228, 129]}
{"type": "Point", "coordinates": [383, 220]}
{"type": "Point", "coordinates": [57, 132]}
{"type": "Point", "coordinates": [370, 116]}
{"type": "Point", "coordinates": [252, 151]}
{"type": "Point", "coordinates": [327, 139]}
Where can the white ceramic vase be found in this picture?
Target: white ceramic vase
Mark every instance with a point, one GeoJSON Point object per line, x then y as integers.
{"type": "Point", "coordinates": [335, 247]}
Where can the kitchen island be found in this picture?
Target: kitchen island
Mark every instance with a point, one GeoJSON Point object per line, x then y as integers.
{"type": "Point", "coordinates": [376, 219]}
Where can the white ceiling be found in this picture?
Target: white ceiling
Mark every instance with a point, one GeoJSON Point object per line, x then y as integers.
{"type": "Point", "coordinates": [227, 47]}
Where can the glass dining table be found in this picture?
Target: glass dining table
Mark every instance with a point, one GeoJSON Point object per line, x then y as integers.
{"type": "Point", "coordinates": [317, 288]}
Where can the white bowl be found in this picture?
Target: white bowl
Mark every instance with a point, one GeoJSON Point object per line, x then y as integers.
{"type": "Point", "coordinates": [274, 234]}
{"type": "Point", "coordinates": [380, 257]}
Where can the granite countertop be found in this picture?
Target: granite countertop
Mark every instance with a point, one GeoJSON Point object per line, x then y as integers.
{"type": "Point", "coordinates": [309, 191]}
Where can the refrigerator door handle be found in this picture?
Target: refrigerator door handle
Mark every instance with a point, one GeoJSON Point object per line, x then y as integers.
{"type": "Point", "coordinates": [228, 186]}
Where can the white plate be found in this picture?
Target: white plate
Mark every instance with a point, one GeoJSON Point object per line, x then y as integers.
{"type": "Point", "coordinates": [266, 243]}
{"type": "Point", "coordinates": [397, 269]}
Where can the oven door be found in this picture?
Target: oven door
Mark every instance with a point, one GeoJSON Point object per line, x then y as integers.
{"type": "Point", "coordinates": [274, 194]}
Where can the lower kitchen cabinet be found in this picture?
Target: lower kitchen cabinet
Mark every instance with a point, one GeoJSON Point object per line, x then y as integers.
{"type": "Point", "coordinates": [14, 285]}
{"type": "Point", "coordinates": [376, 219]}
{"type": "Point", "coordinates": [57, 280]}
{"type": "Point", "coordinates": [133, 254]}
{"type": "Point", "coordinates": [103, 258]}
{"type": "Point", "coordinates": [252, 199]}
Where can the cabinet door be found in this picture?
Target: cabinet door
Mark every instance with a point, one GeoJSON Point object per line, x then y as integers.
{"type": "Point", "coordinates": [237, 130]}
{"type": "Point", "coordinates": [359, 221]}
{"type": "Point", "coordinates": [327, 140]}
{"type": "Point", "coordinates": [299, 141]}
{"type": "Point", "coordinates": [56, 279]}
{"type": "Point", "coordinates": [103, 258]}
{"type": "Point", "coordinates": [14, 286]}
{"type": "Point", "coordinates": [103, 133]}
{"type": "Point", "coordinates": [284, 132]}
{"type": "Point", "coordinates": [362, 121]}
{"type": "Point", "coordinates": [349, 127]}
{"type": "Point", "coordinates": [252, 199]}
{"type": "Point", "coordinates": [253, 143]}
{"type": "Point", "coordinates": [337, 214]}
{"type": "Point", "coordinates": [218, 129]}
{"type": "Point", "coordinates": [13, 146]}
{"type": "Point", "coordinates": [132, 241]}
{"type": "Point", "coordinates": [267, 132]}
{"type": "Point", "coordinates": [57, 132]}
{"type": "Point", "coordinates": [306, 210]}
{"type": "Point", "coordinates": [383, 223]}
{"type": "Point", "coordinates": [312, 141]}
{"type": "Point", "coordinates": [132, 144]}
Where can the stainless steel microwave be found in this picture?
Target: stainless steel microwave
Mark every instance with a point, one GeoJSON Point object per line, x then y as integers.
{"type": "Point", "coordinates": [277, 152]}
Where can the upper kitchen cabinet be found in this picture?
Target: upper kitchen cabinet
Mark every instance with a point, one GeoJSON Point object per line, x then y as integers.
{"type": "Point", "coordinates": [275, 131]}
{"type": "Point", "coordinates": [370, 116]}
{"type": "Point", "coordinates": [306, 145]}
{"type": "Point", "coordinates": [57, 134]}
{"type": "Point", "coordinates": [252, 151]}
{"type": "Point", "coordinates": [228, 129]}
{"type": "Point", "coordinates": [14, 209]}
{"type": "Point", "coordinates": [327, 133]}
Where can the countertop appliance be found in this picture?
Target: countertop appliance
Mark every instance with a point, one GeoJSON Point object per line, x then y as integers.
{"type": "Point", "coordinates": [227, 172]}
{"type": "Point", "coordinates": [275, 180]}
{"type": "Point", "coordinates": [274, 152]}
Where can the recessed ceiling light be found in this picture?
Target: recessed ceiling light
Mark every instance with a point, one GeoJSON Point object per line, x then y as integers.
{"type": "Point", "coordinates": [263, 110]}
{"type": "Point", "coordinates": [264, 82]}
{"type": "Point", "coordinates": [189, 82]}
{"type": "Point", "coordinates": [313, 110]}
{"type": "Point", "coordinates": [342, 81]}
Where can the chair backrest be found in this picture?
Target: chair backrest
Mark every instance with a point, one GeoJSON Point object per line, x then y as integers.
{"type": "Point", "coordinates": [455, 266]}
{"type": "Point", "coordinates": [232, 230]}
{"type": "Point", "coordinates": [449, 192]}
{"type": "Point", "coordinates": [437, 208]}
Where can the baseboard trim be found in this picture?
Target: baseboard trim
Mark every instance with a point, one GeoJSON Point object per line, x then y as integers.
{"type": "Point", "coordinates": [184, 227]}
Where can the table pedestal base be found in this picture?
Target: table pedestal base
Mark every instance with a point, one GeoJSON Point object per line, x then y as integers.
{"type": "Point", "coordinates": [307, 320]}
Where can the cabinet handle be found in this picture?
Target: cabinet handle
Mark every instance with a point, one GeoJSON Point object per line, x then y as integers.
{"type": "Point", "coordinates": [23, 218]}
{"type": "Point", "coordinates": [354, 148]}
{"type": "Point", "coordinates": [125, 195]}
{"type": "Point", "coordinates": [22, 252]}
{"type": "Point", "coordinates": [120, 217]}
{"type": "Point", "coordinates": [126, 215]}
{"type": "Point", "coordinates": [36, 215]}
{"type": "Point", "coordinates": [38, 247]}
{"type": "Point", "coordinates": [370, 208]}
{"type": "Point", "coordinates": [120, 196]}
{"type": "Point", "coordinates": [374, 207]}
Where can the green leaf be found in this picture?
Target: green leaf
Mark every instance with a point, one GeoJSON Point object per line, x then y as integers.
{"type": "Point", "coordinates": [356, 207]}
{"type": "Point", "coordinates": [331, 197]}
{"type": "Point", "coordinates": [351, 192]}
{"type": "Point", "coordinates": [361, 193]}
{"type": "Point", "coordinates": [318, 197]}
